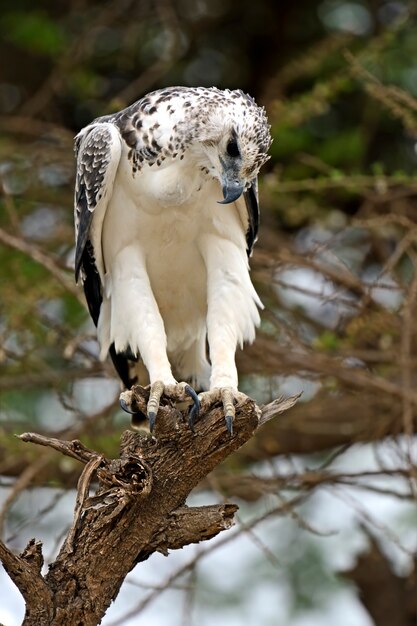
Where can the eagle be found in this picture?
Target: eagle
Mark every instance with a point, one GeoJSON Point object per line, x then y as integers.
{"type": "Point", "coordinates": [166, 216]}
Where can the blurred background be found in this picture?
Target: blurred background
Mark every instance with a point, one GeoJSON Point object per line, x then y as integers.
{"type": "Point", "coordinates": [327, 527]}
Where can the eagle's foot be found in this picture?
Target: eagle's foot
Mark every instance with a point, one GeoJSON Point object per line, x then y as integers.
{"type": "Point", "coordinates": [228, 397]}
{"type": "Point", "coordinates": [178, 392]}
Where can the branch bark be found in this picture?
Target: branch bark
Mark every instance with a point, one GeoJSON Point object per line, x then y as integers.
{"type": "Point", "coordinates": [25, 572]}
{"type": "Point", "coordinates": [138, 509]}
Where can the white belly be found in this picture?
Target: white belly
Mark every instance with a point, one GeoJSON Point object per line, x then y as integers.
{"type": "Point", "coordinates": [165, 236]}
{"type": "Point", "coordinates": [178, 276]}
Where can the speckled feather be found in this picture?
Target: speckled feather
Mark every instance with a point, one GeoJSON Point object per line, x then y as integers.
{"type": "Point", "coordinates": [139, 123]}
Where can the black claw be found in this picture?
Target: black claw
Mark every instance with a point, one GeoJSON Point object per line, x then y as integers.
{"type": "Point", "coordinates": [192, 415]}
{"type": "Point", "coordinates": [126, 408]}
{"type": "Point", "coordinates": [195, 409]}
{"type": "Point", "coordinates": [191, 421]}
{"type": "Point", "coordinates": [190, 392]}
{"type": "Point", "coordinates": [151, 417]}
{"type": "Point", "coordinates": [229, 424]}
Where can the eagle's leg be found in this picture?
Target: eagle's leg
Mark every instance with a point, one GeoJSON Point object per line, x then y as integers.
{"type": "Point", "coordinates": [178, 392]}
{"type": "Point", "coordinates": [231, 318]}
{"type": "Point", "coordinates": [228, 398]}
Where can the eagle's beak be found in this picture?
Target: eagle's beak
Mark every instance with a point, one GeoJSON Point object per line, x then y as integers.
{"type": "Point", "coordinates": [232, 185]}
{"type": "Point", "coordinates": [232, 190]}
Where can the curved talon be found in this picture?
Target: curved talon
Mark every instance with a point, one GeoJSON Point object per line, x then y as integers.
{"type": "Point", "coordinates": [176, 392]}
{"type": "Point", "coordinates": [227, 396]}
{"type": "Point", "coordinates": [229, 424]}
{"type": "Point", "coordinates": [125, 407]}
{"type": "Point", "coordinates": [190, 392]}
{"type": "Point", "coordinates": [137, 416]}
{"type": "Point", "coordinates": [151, 418]}
{"type": "Point", "coordinates": [195, 409]}
{"type": "Point", "coordinates": [191, 422]}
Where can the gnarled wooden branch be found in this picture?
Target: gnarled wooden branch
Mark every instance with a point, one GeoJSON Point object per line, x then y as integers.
{"type": "Point", "coordinates": [25, 572]}
{"type": "Point", "coordinates": [138, 509]}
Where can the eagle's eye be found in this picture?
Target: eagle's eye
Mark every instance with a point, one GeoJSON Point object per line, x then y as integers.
{"type": "Point", "coordinates": [232, 148]}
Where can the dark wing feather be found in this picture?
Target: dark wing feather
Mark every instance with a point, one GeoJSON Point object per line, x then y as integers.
{"type": "Point", "coordinates": [121, 365]}
{"type": "Point", "coordinates": [91, 283]}
{"type": "Point", "coordinates": [252, 207]}
{"type": "Point", "coordinates": [98, 153]}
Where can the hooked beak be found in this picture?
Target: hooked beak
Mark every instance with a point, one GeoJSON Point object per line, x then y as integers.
{"type": "Point", "coordinates": [232, 185]}
{"type": "Point", "coordinates": [232, 190]}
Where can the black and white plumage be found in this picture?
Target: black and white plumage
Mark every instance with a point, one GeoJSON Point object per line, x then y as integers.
{"type": "Point", "coordinates": [166, 215]}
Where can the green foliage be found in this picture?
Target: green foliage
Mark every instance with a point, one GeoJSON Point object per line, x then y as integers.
{"type": "Point", "coordinates": [34, 31]}
{"type": "Point", "coordinates": [328, 341]}
{"type": "Point", "coordinates": [343, 149]}
{"type": "Point", "coordinates": [85, 83]}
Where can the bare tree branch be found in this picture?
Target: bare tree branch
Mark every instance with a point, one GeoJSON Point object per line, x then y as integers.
{"type": "Point", "coordinates": [24, 570]}
{"type": "Point", "coordinates": [138, 509]}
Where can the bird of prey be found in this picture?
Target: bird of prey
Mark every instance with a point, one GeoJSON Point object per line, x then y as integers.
{"type": "Point", "coordinates": [166, 215]}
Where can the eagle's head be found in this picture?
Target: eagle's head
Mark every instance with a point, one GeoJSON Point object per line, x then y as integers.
{"type": "Point", "coordinates": [233, 135]}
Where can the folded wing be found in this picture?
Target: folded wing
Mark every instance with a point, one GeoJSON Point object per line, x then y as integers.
{"type": "Point", "coordinates": [98, 150]}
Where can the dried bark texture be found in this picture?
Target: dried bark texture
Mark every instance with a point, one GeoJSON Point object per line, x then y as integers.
{"type": "Point", "coordinates": [24, 570]}
{"type": "Point", "coordinates": [138, 509]}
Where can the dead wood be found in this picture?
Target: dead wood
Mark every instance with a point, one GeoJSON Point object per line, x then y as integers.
{"type": "Point", "coordinates": [138, 509]}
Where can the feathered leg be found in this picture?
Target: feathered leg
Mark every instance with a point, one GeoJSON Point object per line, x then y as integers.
{"type": "Point", "coordinates": [231, 318]}
{"type": "Point", "coordinates": [136, 324]}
